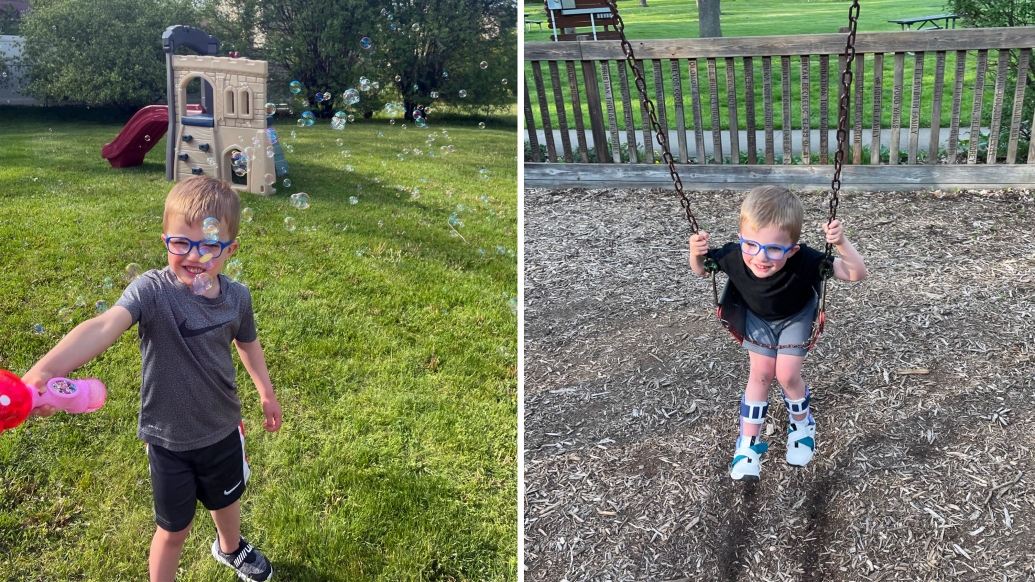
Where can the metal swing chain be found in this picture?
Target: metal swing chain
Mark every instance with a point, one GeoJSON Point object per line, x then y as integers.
{"type": "Point", "coordinates": [842, 127]}
{"type": "Point", "coordinates": [641, 85]}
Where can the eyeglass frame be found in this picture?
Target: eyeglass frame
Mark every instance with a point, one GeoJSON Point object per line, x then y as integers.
{"type": "Point", "coordinates": [764, 249]}
{"type": "Point", "coordinates": [195, 244]}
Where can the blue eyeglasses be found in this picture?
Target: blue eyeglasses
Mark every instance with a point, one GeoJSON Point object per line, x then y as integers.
{"type": "Point", "coordinates": [772, 252]}
{"type": "Point", "coordinates": [181, 245]}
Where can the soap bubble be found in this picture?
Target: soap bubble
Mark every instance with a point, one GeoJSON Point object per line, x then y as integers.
{"type": "Point", "coordinates": [365, 42]}
{"type": "Point", "coordinates": [398, 78]}
{"type": "Point", "coordinates": [289, 148]}
{"type": "Point", "coordinates": [380, 134]}
{"type": "Point", "coordinates": [249, 153]}
{"type": "Point", "coordinates": [210, 226]}
{"type": "Point", "coordinates": [353, 200]}
{"type": "Point", "coordinates": [346, 154]}
{"type": "Point", "coordinates": [319, 97]}
{"type": "Point", "coordinates": [338, 121]}
{"type": "Point", "coordinates": [415, 27]}
{"type": "Point", "coordinates": [417, 113]}
{"type": "Point", "coordinates": [420, 122]}
{"type": "Point", "coordinates": [247, 214]}
{"type": "Point", "coordinates": [65, 315]}
{"type": "Point", "coordinates": [327, 96]}
{"type": "Point", "coordinates": [269, 179]}
{"type": "Point", "coordinates": [481, 125]}
{"type": "Point", "coordinates": [300, 200]}
{"type": "Point", "coordinates": [271, 135]}
{"type": "Point", "coordinates": [349, 168]}
{"type": "Point", "coordinates": [392, 26]}
{"type": "Point", "coordinates": [339, 141]}
{"type": "Point", "coordinates": [100, 307]}
{"type": "Point", "coordinates": [296, 87]}
{"type": "Point", "coordinates": [434, 94]}
{"type": "Point", "coordinates": [391, 122]}
{"type": "Point", "coordinates": [463, 93]}
{"type": "Point", "coordinates": [107, 283]}
{"type": "Point", "coordinates": [37, 329]}
{"type": "Point", "coordinates": [307, 117]}
{"type": "Point", "coordinates": [289, 223]}
{"type": "Point", "coordinates": [270, 152]}
{"type": "Point", "coordinates": [287, 182]}
{"type": "Point", "coordinates": [484, 65]}
{"type": "Point", "coordinates": [504, 81]}
{"type": "Point", "coordinates": [454, 220]}
{"type": "Point", "coordinates": [133, 271]}
{"type": "Point", "coordinates": [294, 134]}
{"type": "Point", "coordinates": [232, 269]}
{"type": "Point", "coordinates": [206, 260]}
{"type": "Point", "coordinates": [445, 74]}
{"type": "Point", "coordinates": [500, 250]}
{"type": "Point", "coordinates": [271, 108]}
{"type": "Point", "coordinates": [351, 96]}
{"type": "Point", "coordinates": [364, 84]}
{"type": "Point", "coordinates": [79, 301]}
{"type": "Point", "coordinates": [351, 118]}
{"type": "Point", "coordinates": [147, 138]}
{"type": "Point", "coordinates": [202, 283]}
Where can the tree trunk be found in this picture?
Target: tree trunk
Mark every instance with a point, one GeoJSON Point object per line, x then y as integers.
{"type": "Point", "coordinates": [643, 3]}
{"type": "Point", "coordinates": [708, 18]}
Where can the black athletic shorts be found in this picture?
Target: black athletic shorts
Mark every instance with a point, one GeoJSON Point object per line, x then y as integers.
{"type": "Point", "coordinates": [215, 475]}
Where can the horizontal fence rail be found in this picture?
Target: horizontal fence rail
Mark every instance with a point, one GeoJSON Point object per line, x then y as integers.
{"type": "Point", "coordinates": [938, 108]}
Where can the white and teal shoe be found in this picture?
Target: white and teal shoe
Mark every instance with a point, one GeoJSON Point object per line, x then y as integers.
{"type": "Point", "coordinates": [747, 459]}
{"type": "Point", "coordinates": [801, 441]}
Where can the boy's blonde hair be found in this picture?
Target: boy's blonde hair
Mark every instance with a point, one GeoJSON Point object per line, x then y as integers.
{"type": "Point", "coordinates": [197, 198]}
{"type": "Point", "coordinates": [773, 206]}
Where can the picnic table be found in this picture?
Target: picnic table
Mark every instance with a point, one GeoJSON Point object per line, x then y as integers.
{"type": "Point", "coordinates": [920, 21]}
{"type": "Point", "coordinates": [529, 22]}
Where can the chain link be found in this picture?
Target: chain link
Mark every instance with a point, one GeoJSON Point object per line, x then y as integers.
{"type": "Point", "coordinates": [842, 125]}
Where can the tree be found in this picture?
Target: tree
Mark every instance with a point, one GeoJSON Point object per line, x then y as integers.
{"type": "Point", "coordinates": [708, 18]}
{"type": "Point", "coordinates": [318, 44]}
{"type": "Point", "coordinates": [109, 53]}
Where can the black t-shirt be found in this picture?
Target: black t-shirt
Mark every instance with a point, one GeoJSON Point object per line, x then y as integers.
{"type": "Point", "coordinates": [780, 295]}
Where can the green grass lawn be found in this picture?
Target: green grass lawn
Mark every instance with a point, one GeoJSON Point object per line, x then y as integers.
{"type": "Point", "coordinates": [391, 343]}
{"type": "Point", "coordinates": [678, 19]}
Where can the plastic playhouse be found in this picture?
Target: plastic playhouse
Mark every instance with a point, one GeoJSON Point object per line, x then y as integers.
{"type": "Point", "coordinates": [204, 137]}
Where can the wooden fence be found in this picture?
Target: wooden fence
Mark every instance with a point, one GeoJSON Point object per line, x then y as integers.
{"type": "Point", "coordinates": [597, 108]}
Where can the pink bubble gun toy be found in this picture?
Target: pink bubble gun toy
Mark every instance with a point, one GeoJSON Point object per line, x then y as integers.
{"type": "Point", "coordinates": [17, 398]}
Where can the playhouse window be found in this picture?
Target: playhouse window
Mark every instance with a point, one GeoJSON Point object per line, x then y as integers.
{"type": "Point", "coordinates": [244, 105]}
{"type": "Point", "coordinates": [228, 102]}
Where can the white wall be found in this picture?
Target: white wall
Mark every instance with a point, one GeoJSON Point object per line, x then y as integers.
{"type": "Point", "coordinates": [10, 47]}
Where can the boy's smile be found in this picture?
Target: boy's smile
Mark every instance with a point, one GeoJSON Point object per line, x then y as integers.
{"type": "Point", "coordinates": [761, 265]}
{"type": "Point", "coordinates": [187, 267]}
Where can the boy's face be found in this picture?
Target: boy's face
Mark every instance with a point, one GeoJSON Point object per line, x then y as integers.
{"type": "Point", "coordinates": [186, 267]}
{"type": "Point", "coordinates": [761, 265]}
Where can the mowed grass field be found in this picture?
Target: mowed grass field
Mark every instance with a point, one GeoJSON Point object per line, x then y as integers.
{"type": "Point", "coordinates": [391, 342]}
{"type": "Point", "coordinates": [678, 19]}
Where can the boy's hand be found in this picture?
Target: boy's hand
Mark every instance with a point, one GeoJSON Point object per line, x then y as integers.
{"type": "Point", "coordinates": [33, 380]}
{"type": "Point", "coordinates": [835, 234]}
{"type": "Point", "coordinates": [271, 408]}
{"type": "Point", "coordinates": [699, 243]}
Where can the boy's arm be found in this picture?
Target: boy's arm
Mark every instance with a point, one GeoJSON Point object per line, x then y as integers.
{"type": "Point", "coordinates": [85, 342]}
{"type": "Point", "coordinates": [849, 266]}
{"type": "Point", "coordinates": [698, 253]}
{"type": "Point", "coordinates": [255, 362]}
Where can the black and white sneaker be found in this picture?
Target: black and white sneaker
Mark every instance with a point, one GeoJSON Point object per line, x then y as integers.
{"type": "Point", "coordinates": [249, 563]}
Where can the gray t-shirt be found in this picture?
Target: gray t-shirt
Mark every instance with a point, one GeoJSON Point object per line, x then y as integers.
{"type": "Point", "coordinates": [188, 399]}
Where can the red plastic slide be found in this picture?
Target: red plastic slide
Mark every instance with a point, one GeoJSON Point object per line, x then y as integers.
{"type": "Point", "coordinates": [143, 131]}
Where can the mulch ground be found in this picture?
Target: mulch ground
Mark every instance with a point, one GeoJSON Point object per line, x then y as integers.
{"type": "Point", "coordinates": [922, 388]}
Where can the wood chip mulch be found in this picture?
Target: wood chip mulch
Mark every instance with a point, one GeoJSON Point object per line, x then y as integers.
{"type": "Point", "coordinates": [923, 389]}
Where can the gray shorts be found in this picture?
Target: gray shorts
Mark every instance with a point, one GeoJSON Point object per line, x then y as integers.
{"type": "Point", "coordinates": [793, 330]}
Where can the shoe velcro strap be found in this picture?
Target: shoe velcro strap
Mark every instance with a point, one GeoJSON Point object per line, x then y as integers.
{"type": "Point", "coordinates": [753, 412]}
{"type": "Point", "coordinates": [242, 555]}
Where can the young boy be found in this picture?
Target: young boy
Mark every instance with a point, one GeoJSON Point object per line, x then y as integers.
{"type": "Point", "coordinates": [190, 414]}
{"type": "Point", "coordinates": [775, 276]}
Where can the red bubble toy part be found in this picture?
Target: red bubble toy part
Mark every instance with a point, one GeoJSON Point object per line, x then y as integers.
{"type": "Point", "coordinates": [75, 396]}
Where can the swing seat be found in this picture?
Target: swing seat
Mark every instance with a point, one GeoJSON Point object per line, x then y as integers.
{"type": "Point", "coordinates": [732, 313]}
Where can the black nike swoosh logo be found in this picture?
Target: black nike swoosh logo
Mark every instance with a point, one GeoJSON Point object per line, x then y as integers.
{"type": "Point", "coordinates": [187, 332]}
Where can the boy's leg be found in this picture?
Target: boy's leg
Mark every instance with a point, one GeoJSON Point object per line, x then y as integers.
{"type": "Point", "coordinates": [164, 557]}
{"type": "Point", "coordinates": [760, 378]}
{"type": "Point", "coordinates": [801, 431]}
{"type": "Point", "coordinates": [228, 526]}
